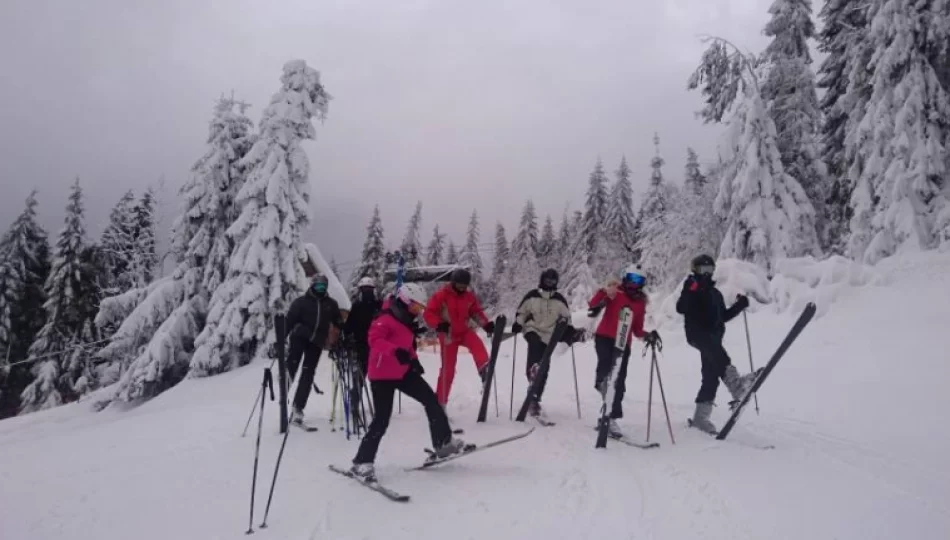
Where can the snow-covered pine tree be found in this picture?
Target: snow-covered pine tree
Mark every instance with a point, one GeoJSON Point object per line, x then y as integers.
{"type": "Point", "coordinates": [523, 268]}
{"type": "Point", "coordinates": [24, 268]}
{"type": "Point", "coordinates": [144, 261]}
{"type": "Point", "coordinates": [265, 271]}
{"type": "Point", "coordinates": [619, 225]}
{"type": "Point", "coordinates": [791, 97]}
{"type": "Point", "coordinates": [118, 245]}
{"type": "Point", "coordinates": [497, 284]}
{"type": "Point", "coordinates": [470, 256]}
{"type": "Point", "coordinates": [653, 221]}
{"type": "Point", "coordinates": [562, 251]}
{"type": "Point", "coordinates": [900, 201]}
{"type": "Point", "coordinates": [373, 260]}
{"type": "Point", "coordinates": [452, 254]}
{"type": "Point", "coordinates": [66, 314]}
{"type": "Point", "coordinates": [843, 40]}
{"type": "Point", "coordinates": [547, 245]}
{"type": "Point", "coordinates": [766, 212]}
{"type": "Point", "coordinates": [579, 282]}
{"type": "Point", "coordinates": [152, 348]}
{"type": "Point", "coordinates": [695, 180]}
{"type": "Point", "coordinates": [436, 248]}
{"type": "Point", "coordinates": [411, 246]}
{"type": "Point", "coordinates": [595, 216]}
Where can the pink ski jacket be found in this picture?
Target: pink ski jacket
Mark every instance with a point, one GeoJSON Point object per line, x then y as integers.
{"type": "Point", "coordinates": [387, 334]}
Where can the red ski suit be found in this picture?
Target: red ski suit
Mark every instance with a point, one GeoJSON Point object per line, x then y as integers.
{"type": "Point", "coordinates": [608, 324]}
{"type": "Point", "coordinates": [457, 309]}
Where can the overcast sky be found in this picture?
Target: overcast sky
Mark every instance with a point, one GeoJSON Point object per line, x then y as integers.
{"type": "Point", "coordinates": [463, 105]}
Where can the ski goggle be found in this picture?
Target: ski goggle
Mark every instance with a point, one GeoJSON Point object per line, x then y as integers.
{"type": "Point", "coordinates": [319, 287]}
{"type": "Point", "coordinates": [635, 278]}
{"type": "Point", "coordinates": [416, 308]}
{"type": "Point", "coordinates": [705, 269]}
{"type": "Point", "coordinates": [550, 283]}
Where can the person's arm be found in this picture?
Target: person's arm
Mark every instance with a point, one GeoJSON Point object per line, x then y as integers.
{"type": "Point", "coordinates": [639, 314]}
{"type": "Point", "coordinates": [293, 316]}
{"type": "Point", "coordinates": [433, 312]}
{"type": "Point", "coordinates": [476, 312]}
{"type": "Point", "coordinates": [742, 302]}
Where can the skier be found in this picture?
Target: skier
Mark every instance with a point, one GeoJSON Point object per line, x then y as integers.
{"type": "Point", "coordinates": [396, 366]}
{"type": "Point", "coordinates": [705, 315]}
{"type": "Point", "coordinates": [614, 296]}
{"type": "Point", "coordinates": [449, 312]}
{"type": "Point", "coordinates": [309, 319]}
{"type": "Point", "coordinates": [364, 309]}
{"type": "Point", "coordinates": [537, 316]}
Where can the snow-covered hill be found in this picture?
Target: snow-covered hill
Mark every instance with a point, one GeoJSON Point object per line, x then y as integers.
{"type": "Point", "coordinates": [856, 412]}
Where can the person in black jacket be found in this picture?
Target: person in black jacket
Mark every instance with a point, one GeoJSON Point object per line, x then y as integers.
{"type": "Point", "coordinates": [365, 307]}
{"type": "Point", "coordinates": [706, 315]}
{"type": "Point", "coordinates": [308, 322]}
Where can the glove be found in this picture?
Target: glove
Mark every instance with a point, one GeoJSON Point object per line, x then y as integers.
{"type": "Point", "coordinates": [403, 356]}
{"type": "Point", "coordinates": [742, 301]}
{"type": "Point", "coordinates": [652, 338]}
{"type": "Point", "coordinates": [416, 367]}
{"type": "Point", "coordinates": [419, 329]}
{"type": "Point", "coordinates": [516, 328]}
{"type": "Point", "coordinates": [579, 335]}
{"type": "Point", "coordinates": [572, 335]}
{"type": "Point", "coordinates": [595, 311]}
{"type": "Point", "coordinates": [443, 327]}
{"type": "Point", "coordinates": [489, 327]}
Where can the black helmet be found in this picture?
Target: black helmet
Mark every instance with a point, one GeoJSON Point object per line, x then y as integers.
{"type": "Point", "coordinates": [703, 264]}
{"type": "Point", "coordinates": [549, 280]}
{"type": "Point", "coordinates": [461, 276]}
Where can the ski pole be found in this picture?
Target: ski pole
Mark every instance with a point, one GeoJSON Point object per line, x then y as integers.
{"type": "Point", "coordinates": [577, 393]}
{"type": "Point", "coordinates": [336, 387]}
{"type": "Point", "coordinates": [748, 343]}
{"type": "Point", "coordinates": [659, 379]}
{"type": "Point", "coordinates": [495, 385]}
{"type": "Point", "coordinates": [267, 383]}
{"type": "Point", "coordinates": [250, 416]}
{"type": "Point", "coordinates": [514, 359]}
{"type": "Point", "coordinates": [650, 396]}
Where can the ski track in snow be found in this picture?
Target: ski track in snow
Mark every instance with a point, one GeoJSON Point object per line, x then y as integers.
{"type": "Point", "coordinates": [853, 413]}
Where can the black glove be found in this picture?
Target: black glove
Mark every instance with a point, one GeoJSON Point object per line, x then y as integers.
{"type": "Point", "coordinates": [416, 367]}
{"type": "Point", "coordinates": [742, 302]}
{"type": "Point", "coordinates": [443, 327]}
{"type": "Point", "coordinates": [516, 328]}
{"type": "Point", "coordinates": [652, 338]}
{"type": "Point", "coordinates": [489, 327]}
{"type": "Point", "coordinates": [419, 329]}
{"type": "Point", "coordinates": [595, 311]}
{"type": "Point", "coordinates": [579, 335]}
{"type": "Point", "coordinates": [403, 356]}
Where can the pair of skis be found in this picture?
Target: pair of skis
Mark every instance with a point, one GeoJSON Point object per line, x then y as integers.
{"type": "Point", "coordinates": [608, 393]}
{"type": "Point", "coordinates": [544, 367]}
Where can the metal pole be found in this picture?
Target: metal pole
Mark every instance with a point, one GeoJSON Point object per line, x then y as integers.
{"type": "Point", "coordinates": [577, 393]}
{"type": "Point", "coordinates": [650, 399]}
{"type": "Point", "coordinates": [748, 343]}
{"type": "Point", "coordinates": [514, 359]}
{"type": "Point", "coordinates": [659, 379]}
{"type": "Point", "coordinates": [280, 328]}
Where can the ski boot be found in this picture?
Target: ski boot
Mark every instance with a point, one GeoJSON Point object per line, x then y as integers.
{"type": "Point", "coordinates": [700, 419]}
{"type": "Point", "coordinates": [613, 429]}
{"type": "Point", "coordinates": [364, 472]}
{"type": "Point", "coordinates": [738, 385]}
{"type": "Point", "coordinates": [450, 448]}
{"type": "Point", "coordinates": [296, 416]}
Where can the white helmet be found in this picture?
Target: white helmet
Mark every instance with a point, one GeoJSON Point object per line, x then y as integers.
{"type": "Point", "coordinates": [367, 282]}
{"type": "Point", "coordinates": [412, 293]}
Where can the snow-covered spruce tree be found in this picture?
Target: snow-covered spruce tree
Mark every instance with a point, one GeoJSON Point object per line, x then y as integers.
{"type": "Point", "coordinates": [492, 290]}
{"type": "Point", "coordinates": [24, 268]}
{"type": "Point", "coordinates": [152, 347]}
{"type": "Point", "coordinates": [655, 217]}
{"type": "Point", "coordinates": [900, 199]}
{"type": "Point", "coordinates": [789, 92]}
{"type": "Point", "coordinates": [563, 245]}
{"type": "Point", "coordinates": [436, 248]}
{"type": "Point", "coordinates": [619, 225]}
{"type": "Point", "coordinates": [579, 282]}
{"type": "Point", "coordinates": [547, 245]}
{"type": "Point", "coordinates": [118, 245]}
{"type": "Point", "coordinates": [695, 181]}
{"type": "Point", "coordinates": [66, 314]}
{"type": "Point", "coordinates": [373, 260]}
{"type": "Point", "coordinates": [470, 256]}
{"type": "Point", "coordinates": [144, 263]}
{"type": "Point", "coordinates": [595, 216]}
{"type": "Point", "coordinates": [523, 268]}
{"type": "Point", "coordinates": [766, 212]}
{"type": "Point", "coordinates": [844, 75]}
{"type": "Point", "coordinates": [265, 271]}
{"type": "Point", "coordinates": [452, 254]}
{"type": "Point", "coordinates": [411, 246]}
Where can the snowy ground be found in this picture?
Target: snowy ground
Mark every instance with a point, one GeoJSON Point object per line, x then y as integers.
{"type": "Point", "coordinates": [856, 411]}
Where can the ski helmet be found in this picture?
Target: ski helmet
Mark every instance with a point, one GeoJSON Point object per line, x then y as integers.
{"type": "Point", "coordinates": [413, 296]}
{"type": "Point", "coordinates": [703, 265]}
{"type": "Point", "coordinates": [549, 280]}
{"type": "Point", "coordinates": [461, 276]}
{"type": "Point", "coordinates": [633, 276]}
{"type": "Point", "coordinates": [366, 282]}
{"type": "Point", "coordinates": [320, 283]}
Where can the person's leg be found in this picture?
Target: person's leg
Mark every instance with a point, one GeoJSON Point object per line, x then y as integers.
{"type": "Point", "coordinates": [536, 349]}
{"type": "Point", "coordinates": [450, 350]}
{"type": "Point", "coordinates": [474, 344]}
{"type": "Point", "coordinates": [620, 387]}
{"type": "Point", "coordinates": [604, 347]}
{"type": "Point", "coordinates": [311, 357]}
{"type": "Point", "coordinates": [383, 393]}
{"type": "Point", "coordinates": [294, 355]}
{"type": "Point", "coordinates": [414, 386]}
{"type": "Point", "coordinates": [712, 369]}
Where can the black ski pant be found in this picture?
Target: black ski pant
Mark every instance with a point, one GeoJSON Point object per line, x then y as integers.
{"type": "Point", "coordinates": [715, 360]}
{"type": "Point", "coordinates": [414, 386]}
{"type": "Point", "coordinates": [536, 349]}
{"type": "Point", "coordinates": [605, 363]}
{"type": "Point", "coordinates": [311, 356]}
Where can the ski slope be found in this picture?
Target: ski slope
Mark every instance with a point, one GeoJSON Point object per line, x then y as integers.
{"type": "Point", "coordinates": [856, 412]}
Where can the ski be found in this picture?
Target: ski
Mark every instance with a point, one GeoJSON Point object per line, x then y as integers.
{"type": "Point", "coordinates": [304, 427]}
{"type": "Point", "coordinates": [689, 422]}
{"type": "Point", "coordinates": [630, 442]}
{"type": "Point", "coordinates": [496, 339]}
{"type": "Point", "coordinates": [470, 449]}
{"type": "Point", "coordinates": [625, 320]}
{"type": "Point", "coordinates": [543, 369]}
{"type": "Point", "coordinates": [375, 486]}
{"type": "Point", "coordinates": [797, 328]}
{"type": "Point", "coordinates": [543, 422]}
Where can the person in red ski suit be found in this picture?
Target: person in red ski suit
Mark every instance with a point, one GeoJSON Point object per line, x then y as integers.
{"type": "Point", "coordinates": [610, 299]}
{"type": "Point", "coordinates": [449, 312]}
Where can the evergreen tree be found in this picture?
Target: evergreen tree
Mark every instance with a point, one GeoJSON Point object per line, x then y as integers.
{"type": "Point", "coordinates": [766, 212]}
{"type": "Point", "coordinates": [789, 92]}
{"type": "Point", "coordinates": [499, 267]}
{"type": "Point", "coordinates": [595, 216]}
{"type": "Point", "coordinates": [434, 251]}
{"type": "Point", "coordinates": [563, 244]}
{"type": "Point", "coordinates": [523, 267]}
{"type": "Point", "coordinates": [118, 245]}
{"type": "Point", "coordinates": [145, 258]}
{"type": "Point", "coordinates": [655, 215]}
{"type": "Point", "coordinates": [579, 281]}
{"type": "Point", "coordinates": [151, 349]}
{"type": "Point", "coordinates": [265, 271]}
{"type": "Point", "coordinates": [470, 255]}
{"type": "Point", "coordinates": [899, 201]}
{"type": "Point", "coordinates": [373, 260]}
{"type": "Point", "coordinates": [619, 223]}
{"type": "Point", "coordinates": [547, 245]}
{"type": "Point", "coordinates": [452, 254]}
{"type": "Point", "coordinates": [67, 312]}
{"type": "Point", "coordinates": [411, 246]}
{"type": "Point", "coordinates": [695, 180]}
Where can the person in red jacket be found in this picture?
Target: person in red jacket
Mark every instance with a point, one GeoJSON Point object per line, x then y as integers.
{"type": "Point", "coordinates": [449, 311]}
{"type": "Point", "coordinates": [394, 365]}
{"type": "Point", "coordinates": [610, 299]}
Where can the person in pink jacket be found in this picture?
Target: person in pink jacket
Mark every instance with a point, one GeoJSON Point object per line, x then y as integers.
{"type": "Point", "coordinates": [394, 365]}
